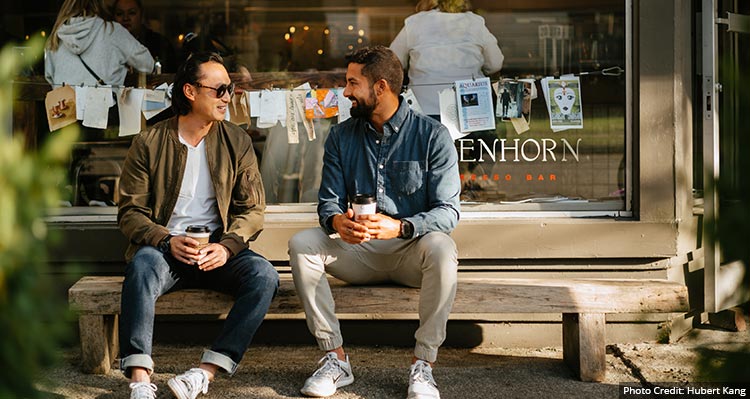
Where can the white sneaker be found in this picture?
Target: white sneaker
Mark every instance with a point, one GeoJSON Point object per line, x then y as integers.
{"type": "Point", "coordinates": [332, 374]}
{"type": "Point", "coordinates": [421, 383]}
{"type": "Point", "coordinates": [189, 384]}
{"type": "Point", "coordinates": [142, 390]}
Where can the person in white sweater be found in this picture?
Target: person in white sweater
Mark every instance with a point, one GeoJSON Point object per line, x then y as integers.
{"type": "Point", "coordinates": [81, 33]}
{"type": "Point", "coordinates": [441, 43]}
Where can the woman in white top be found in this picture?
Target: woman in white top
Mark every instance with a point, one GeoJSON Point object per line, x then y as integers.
{"type": "Point", "coordinates": [108, 49]}
{"type": "Point", "coordinates": [441, 43]}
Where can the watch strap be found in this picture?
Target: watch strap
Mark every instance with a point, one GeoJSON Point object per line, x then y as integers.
{"type": "Point", "coordinates": [164, 244]}
{"type": "Point", "coordinates": [407, 229]}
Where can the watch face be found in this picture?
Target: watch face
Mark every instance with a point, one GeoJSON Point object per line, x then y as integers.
{"type": "Point", "coordinates": [164, 245]}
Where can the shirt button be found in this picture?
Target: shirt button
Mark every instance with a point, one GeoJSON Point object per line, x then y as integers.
{"type": "Point", "coordinates": [381, 166]}
{"type": "Point", "coordinates": [380, 190]}
{"type": "Point", "coordinates": [395, 128]}
{"type": "Point", "coordinates": [377, 141]}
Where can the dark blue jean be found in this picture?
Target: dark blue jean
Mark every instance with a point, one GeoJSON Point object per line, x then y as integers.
{"type": "Point", "coordinates": [248, 277]}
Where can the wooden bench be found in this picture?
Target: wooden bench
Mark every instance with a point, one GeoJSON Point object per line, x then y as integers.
{"type": "Point", "coordinates": [583, 304]}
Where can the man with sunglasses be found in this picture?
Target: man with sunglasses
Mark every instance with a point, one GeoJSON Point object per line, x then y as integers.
{"type": "Point", "coordinates": [192, 169]}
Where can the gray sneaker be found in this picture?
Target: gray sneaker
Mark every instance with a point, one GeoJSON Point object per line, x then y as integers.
{"type": "Point", "coordinates": [421, 383]}
{"type": "Point", "coordinates": [189, 384]}
{"type": "Point", "coordinates": [331, 375]}
{"type": "Point", "coordinates": [142, 390]}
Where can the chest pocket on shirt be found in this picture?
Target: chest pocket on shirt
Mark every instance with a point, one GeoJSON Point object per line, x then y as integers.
{"type": "Point", "coordinates": [406, 176]}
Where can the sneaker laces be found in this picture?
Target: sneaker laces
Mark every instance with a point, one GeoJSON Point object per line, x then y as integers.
{"type": "Point", "coordinates": [142, 390]}
{"type": "Point", "coordinates": [330, 368]}
{"type": "Point", "coordinates": [196, 380]}
{"type": "Point", "coordinates": [422, 372]}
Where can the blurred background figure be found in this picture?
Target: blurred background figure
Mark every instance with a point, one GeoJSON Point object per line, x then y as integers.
{"type": "Point", "coordinates": [198, 42]}
{"type": "Point", "coordinates": [83, 33]}
{"type": "Point", "coordinates": [441, 43]}
{"type": "Point", "coordinates": [130, 14]}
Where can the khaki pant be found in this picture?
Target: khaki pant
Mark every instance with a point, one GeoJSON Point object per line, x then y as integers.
{"type": "Point", "coordinates": [429, 262]}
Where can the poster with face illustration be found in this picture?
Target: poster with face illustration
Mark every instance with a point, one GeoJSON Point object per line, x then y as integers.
{"type": "Point", "coordinates": [564, 102]}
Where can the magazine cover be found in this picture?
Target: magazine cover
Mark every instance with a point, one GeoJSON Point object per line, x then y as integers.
{"type": "Point", "coordinates": [474, 102]}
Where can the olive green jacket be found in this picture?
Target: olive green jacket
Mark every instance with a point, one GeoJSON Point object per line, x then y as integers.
{"type": "Point", "coordinates": [152, 176]}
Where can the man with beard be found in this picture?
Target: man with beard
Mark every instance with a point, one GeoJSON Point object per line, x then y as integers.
{"type": "Point", "coordinates": [408, 163]}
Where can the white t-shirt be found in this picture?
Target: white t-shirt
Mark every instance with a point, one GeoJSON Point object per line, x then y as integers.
{"type": "Point", "coordinates": [439, 47]}
{"type": "Point", "coordinates": [196, 203]}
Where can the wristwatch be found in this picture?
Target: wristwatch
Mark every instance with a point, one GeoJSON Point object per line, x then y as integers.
{"type": "Point", "coordinates": [164, 245]}
{"type": "Point", "coordinates": [407, 229]}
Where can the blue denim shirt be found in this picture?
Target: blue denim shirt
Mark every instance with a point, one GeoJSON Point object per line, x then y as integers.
{"type": "Point", "coordinates": [411, 169]}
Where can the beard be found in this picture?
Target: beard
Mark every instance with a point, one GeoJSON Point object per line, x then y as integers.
{"type": "Point", "coordinates": [364, 109]}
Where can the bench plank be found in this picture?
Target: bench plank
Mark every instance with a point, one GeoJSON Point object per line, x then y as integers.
{"type": "Point", "coordinates": [101, 295]}
{"type": "Point", "coordinates": [583, 303]}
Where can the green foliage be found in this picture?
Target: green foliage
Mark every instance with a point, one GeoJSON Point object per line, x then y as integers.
{"type": "Point", "coordinates": [31, 324]}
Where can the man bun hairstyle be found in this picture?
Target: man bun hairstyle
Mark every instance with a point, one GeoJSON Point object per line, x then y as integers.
{"type": "Point", "coordinates": [379, 62]}
{"type": "Point", "coordinates": [189, 73]}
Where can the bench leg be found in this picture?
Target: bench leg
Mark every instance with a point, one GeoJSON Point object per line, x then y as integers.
{"type": "Point", "coordinates": [99, 342]}
{"type": "Point", "coordinates": [583, 345]}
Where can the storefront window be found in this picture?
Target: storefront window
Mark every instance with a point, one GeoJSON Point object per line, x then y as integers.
{"type": "Point", "coordinates": [284, 44]}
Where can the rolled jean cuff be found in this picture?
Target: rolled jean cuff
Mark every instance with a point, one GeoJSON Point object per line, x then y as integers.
{"type": "Point", "coordinates": [425, 353]}
{"type": "Point", "coordinates": [223, 361]}
{"type": "Point", "coordinates": [137, 360]}
{"type": "Point", "coordinates": [329, 344]}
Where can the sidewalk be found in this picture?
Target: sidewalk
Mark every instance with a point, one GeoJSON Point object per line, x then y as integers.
{"type": "Point", "coordinates": [278, 372]}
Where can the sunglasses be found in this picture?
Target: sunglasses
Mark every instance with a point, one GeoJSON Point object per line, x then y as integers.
{"type": "Point", "coordinates": [224, 88]}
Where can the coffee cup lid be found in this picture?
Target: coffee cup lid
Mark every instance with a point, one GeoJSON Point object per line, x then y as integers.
{"type": "Point", "coordinates": [364, 199]}
{"type": "Point", "coordinates": [198, 228]}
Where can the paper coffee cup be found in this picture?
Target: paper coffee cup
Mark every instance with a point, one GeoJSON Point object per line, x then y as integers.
{"type": "Point", "coordinates": [364, 204]}
{"type": "Point", "coordinates": [200, 233]}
